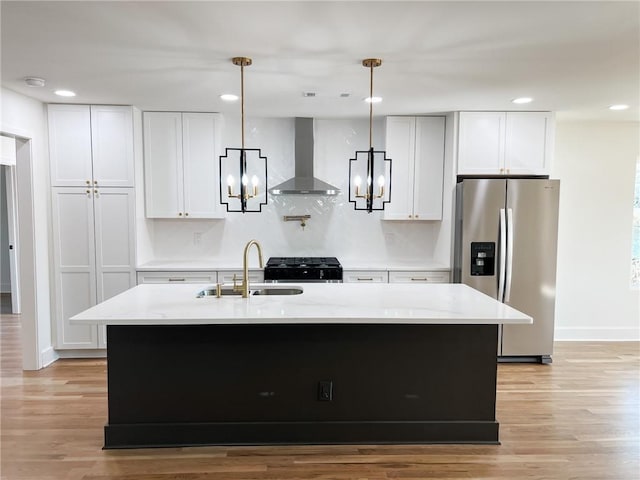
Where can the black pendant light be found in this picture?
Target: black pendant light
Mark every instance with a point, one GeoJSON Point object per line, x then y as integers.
{"type": "Point", "coordinates": [242, 166]}
{"type": "Point", "coordinates": [372, 164]}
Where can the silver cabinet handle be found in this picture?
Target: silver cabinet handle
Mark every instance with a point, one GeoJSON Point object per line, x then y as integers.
{"type": "Point", "coordinates": [418, 279]}
{"type": "Point", "coordinates": [367, 279]}
{"type": "Point", "coordinates": [176, 279]}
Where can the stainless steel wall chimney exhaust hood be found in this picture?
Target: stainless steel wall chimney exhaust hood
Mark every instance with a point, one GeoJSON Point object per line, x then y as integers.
{"type": "Point", "coordinates": [303, 182]}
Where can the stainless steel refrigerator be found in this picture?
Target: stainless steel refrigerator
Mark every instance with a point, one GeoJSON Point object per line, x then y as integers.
{"type": "Point", "coordinates": [505, 246]}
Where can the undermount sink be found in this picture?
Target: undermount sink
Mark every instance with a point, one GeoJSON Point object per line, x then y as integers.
{"type": "Point", "coordinates": [211, 292]}
{"type": "Point", "coordinates": [225, 292]}
{"type": "Point", "coordinates": [278, 291]}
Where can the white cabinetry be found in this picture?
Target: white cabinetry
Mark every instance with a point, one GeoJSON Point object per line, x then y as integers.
{"type": "Point", "coordinates": [177, 277]}
{"type": "Point", "coordinates": [181, 155]}
{"type": "Point", "coordinates": [418, 277]}
{"type": "Point", "coordinates": [416, 148]}
{"type": "Point", "coordinates": [94, 258]}
{"type": "Point", "coordinates": [255, 276]}
{"type": "Point", "coordinates": [365, 276]}
{"type": "Point", "coordinates": [505, 143]}
{"type": "Point", "coordinates": [91, 145]}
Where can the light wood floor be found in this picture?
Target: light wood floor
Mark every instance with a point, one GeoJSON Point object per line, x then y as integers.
{"type": "Point", "coordinates": [578, 418]}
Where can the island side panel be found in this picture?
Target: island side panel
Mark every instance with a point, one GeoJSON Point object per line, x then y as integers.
{"type": "Point", "coordinates": [259, 384]}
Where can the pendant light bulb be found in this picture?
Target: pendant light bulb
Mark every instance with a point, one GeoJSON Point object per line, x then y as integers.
{"type": "Point", "coordinates": [381, 181]}
{"type": "Point", "coordinates": [230, 180]}
{"type": "Point", "coordinates": [245, 180]}
{"type": "Point", "coordinates": [357, 181]}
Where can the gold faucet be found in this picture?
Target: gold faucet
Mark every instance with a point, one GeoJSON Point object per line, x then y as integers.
{"type": "Point", "coordinates": [245, 266]}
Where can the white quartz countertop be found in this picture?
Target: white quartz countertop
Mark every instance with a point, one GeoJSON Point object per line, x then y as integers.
{"type": "Point", "coordinates": [169, 304]}
{"type": "Point", "coordinates": [220, 265]}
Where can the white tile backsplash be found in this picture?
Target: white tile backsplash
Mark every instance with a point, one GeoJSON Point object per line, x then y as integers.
{"type": "Point", "coordinates": [334, 229]}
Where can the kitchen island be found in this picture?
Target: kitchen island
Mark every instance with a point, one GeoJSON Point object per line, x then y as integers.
{"type": "Point", "coordinates": [339, 363]}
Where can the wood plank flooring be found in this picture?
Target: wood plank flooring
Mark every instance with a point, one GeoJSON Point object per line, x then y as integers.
{"type": "Point", "coordinates": [578, 418]}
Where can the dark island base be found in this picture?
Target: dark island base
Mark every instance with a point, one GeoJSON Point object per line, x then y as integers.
{"type": "Point", "coordinates": [300, 384]}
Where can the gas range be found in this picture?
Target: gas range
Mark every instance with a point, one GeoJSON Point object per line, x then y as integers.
{"type": "Point", "coordinates": [303, 269]}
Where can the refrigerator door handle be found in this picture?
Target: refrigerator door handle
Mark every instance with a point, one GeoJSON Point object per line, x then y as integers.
{"type": "Point", "coordinates": [510, 228]}
{"type": "Point", "coordinates": [502, 258]}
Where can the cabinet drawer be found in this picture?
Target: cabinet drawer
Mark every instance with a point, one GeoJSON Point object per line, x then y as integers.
{"type": "Point", "coordinates": [255, 276]}
{"type": "Point", "coordinates": [177, 277]}
{"type": "Point", "coordinates": [419, 277]}
{"type": "Point", "coordinates": [365, 276]}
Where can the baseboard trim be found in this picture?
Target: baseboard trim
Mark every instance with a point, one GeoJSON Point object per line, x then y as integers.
{"type": "Point", "coordinates": [597, 334]}
{"type": "Point", "coordinates": [92, 353]}
{"type": "Point", "coordinates": [48, 356]}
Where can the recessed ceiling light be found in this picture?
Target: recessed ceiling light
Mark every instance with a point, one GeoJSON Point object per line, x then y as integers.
{"type": "Point", "coordinates": [34, 81]}
{"type": "Point", "coordinates": [373, 99]}
{"type": "Point", "coordinates": [345, 95]}
{"type": "Point", "coordinates": [308, 94]}
{"type": "Point", "coordinates": [65, 93]}
{"type": "Point", "coordinates": [618, 107]}
{"type": "Point", "coordinates": [522, 100]}
{"type": "Point", "coordinates": [229, 97]}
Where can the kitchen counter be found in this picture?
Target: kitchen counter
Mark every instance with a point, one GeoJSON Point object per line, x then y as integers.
{"type": "Point", "coordinates": [340, 363]}
{"type": "Point", "coordinates": [225, 265]}
{"type": "Point", "coordinates": [162, 304]}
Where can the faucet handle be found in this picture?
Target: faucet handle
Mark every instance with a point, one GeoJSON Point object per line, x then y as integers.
{"type": "Point", "coordinates": [235, 284]}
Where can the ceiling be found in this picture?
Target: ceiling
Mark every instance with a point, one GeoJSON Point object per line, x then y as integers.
{"type": "Point", "coordinates": [575, 58]}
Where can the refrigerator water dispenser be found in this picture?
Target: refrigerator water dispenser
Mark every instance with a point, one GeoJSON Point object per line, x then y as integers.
{"type": "Point", "coordinates": [483, 256]}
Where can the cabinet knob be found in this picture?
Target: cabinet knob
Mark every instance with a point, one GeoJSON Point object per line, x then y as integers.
{"type": "Point", "coordinates": [410, 216]}
{"type": "Point", "coordinates": [186, 214]}
{"type": "Point", "coordinates": [88, 182]}
{"type": "Point", "coordinates": [95, 182]}
{"type": "Point", "coordinates": [88, 193]}
{"type": "Point", "coordinates": [416, 216]}
{"type": "Point", "coordinates": [180, 214]}
{"type": "Point", "coordinates": [96, 192]}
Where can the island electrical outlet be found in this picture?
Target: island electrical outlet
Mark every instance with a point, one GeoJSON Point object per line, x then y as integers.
{"type": "Point", "coordinates": [325, 390]}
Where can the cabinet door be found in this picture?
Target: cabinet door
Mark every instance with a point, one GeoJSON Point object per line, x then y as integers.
{"type": "Point", "coordinates": [400, 148]}
{"type": "Point", "coordinates": [74, 265]}
{"type": "Point", "coordinates": [481, 143]}
{"type": "Point", "coordinates": [177, 277]}
{"type": "Point", "coordinates": [255, 276]}
{"type": "Point", "coordinates": [163, 180]}
{"type": "Point", "coordinates": [527, 143]}
{"type": "Point", "coordinates": [114, 213]}
{"type": "Point", "coordinates": [365, 276]}
{"type": "Point", "coordinates": [70, 145]}
{"type": "Point", "coordinates": [429, 168]}
{"type": "Point", "coordinates": [200, 159]}
{"type": "Point", "coordinates": [112, 146]}
{"type": "Point", "coordinates": [419, 277]}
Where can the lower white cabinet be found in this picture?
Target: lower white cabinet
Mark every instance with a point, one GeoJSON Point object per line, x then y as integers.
{"type": "Point", "coordinates": [255, 276]}
{"type": "Point", "coordinates": [419, 277]}
{"type": "Point", "coordinates": [93, 254]}
{"type": "Point", "coordinates": [177, 277]}
{"type": "Point", "coordinates": [365, 276]}
{"type": "Point", "coordinates": [192, 276]}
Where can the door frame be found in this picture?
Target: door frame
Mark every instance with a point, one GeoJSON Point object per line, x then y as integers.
{"type": "Point", "coordinates": [32, 359]}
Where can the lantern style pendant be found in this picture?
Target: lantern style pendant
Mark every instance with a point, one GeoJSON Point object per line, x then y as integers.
{"type": "Point", "coordinates": [239, 166]}
{"type": "Point", "coordinates": [373, 165]}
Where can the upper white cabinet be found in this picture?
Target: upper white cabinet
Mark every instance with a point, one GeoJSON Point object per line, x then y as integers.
{"type": "Point", "coordinates": [416, 148]}
{"type": "Point", "coordinates": [505, 143]}
{"type": "Point", "coordinates": [91, 145]}
{"type": "Point", "coordinates": [181, 152]}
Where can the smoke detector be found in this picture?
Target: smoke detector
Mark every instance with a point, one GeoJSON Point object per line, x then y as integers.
{"type": "Point", "coordinates": [34, 81]}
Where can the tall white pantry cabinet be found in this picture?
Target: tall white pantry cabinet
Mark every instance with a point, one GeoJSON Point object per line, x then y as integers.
{"type": "Point", "coordinates": [93, 213]}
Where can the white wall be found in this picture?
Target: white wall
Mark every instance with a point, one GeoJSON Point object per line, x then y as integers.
{"type": "Point", "coordinates": [596, 162]}
{"type": "Point", "coordinates": [26, 118]}
{"type": "Point", "coordinates": [335, 228]}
